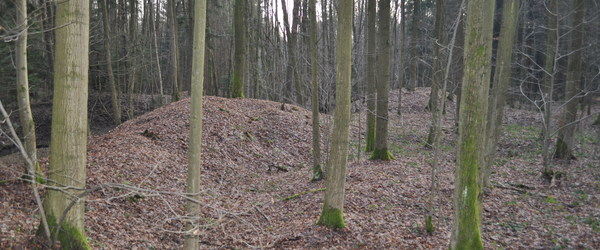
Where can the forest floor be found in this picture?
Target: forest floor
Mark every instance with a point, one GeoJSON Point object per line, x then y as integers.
{"type": "Point", "coordinates": [257, 193]}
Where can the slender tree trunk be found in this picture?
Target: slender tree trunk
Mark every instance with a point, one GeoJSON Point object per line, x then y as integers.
{"type": "Point", "coordinates": [332, 214]}
{"type": "Point", "coordinates": [114, 93]}
{"type": "Point", "coordinates": [383, 83]}
{"type": "Point", "coordinates": [502, 78]}
{"type": "Point", "coordinates": [239, 68]}
{"type": "Point", "coordinates": [195, 158]}
{"type": "Point", "coordinates": [565, 141]}
{"type": "Point", "coordinates": [371, 79]}
{"type": "Point", "coordinates": [69, 125]}
{"type": "Point", "coordinates": [438, 72]}
{"type": "Point", "coordinates": [550, 65]}
{"type": "Point", "coordinates": [156, 54]}
{"type": "Point", "coordinates": [436, 124]}
{"type": "Point", "coordinates": [466, 233]}
{"type": "Point", "coordinates": [314, 61]}
{"type": "Point", "coordinates": [131, 54]}
{"type": "Point", "coordinates": [402, 55]}
{"type": "Point", "coordinates": [25, 116]}
{"type": "Point", "coordinates": [414, 54]}
{"type": "Point", "coordinates": [172, 20]}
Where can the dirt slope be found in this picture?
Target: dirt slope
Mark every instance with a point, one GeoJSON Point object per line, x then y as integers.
{"type": "Point", "coordinates": [256, 155]}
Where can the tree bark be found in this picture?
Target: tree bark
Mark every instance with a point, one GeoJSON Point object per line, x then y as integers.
{"type": "Point", "coordinates": [332, 214]}
{"type": "Point", "coordinates": [172, 20]}
{"type": "Point", "coordinates": [565, 141]}
{"type": "Point", "coordinates": [69, 125]}
{"type": "Point", "coordinates": [25, 116]}
{"type": "Point", "coordinates": [239, 68]}
{"type": "Point", "coordinates": [473, 111]}
{"type": "Point", "coordinates": [131, 55]}
{"type": "Point", "coordinates": [438, 72]}
{"type": "Point", "coordinates": [314, 73]}
{"type": "Point", "coordinates": [370, 74]}
{"type": "Point", "coordinates": [114, 94]}
{"type": "Point", "coordinates": [195, 158]}
{"type": "Point", "coordinates": [502, 78]}
{"type": "Point", "coordinates": [383, 83]}
{"type": "Point", "coordinates": [414, 54]}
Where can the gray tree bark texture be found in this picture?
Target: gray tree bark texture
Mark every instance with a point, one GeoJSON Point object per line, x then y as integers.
{"type": "Point", "coordinates": [502, 79]}
{"type": "Point", "coordinates": [371, 80]}
{"type": "Point", "coordinates": [314, 74]}
{"type": "Point", "coordinates": [381, 151]}
{"type": "Point", "coordinates": [25, 116]}
{"type": "Point", "coordinates": [466, 233]}
{"type": "Point", "coordinates": [192, 239]}
{"type": "Point", "coordinates": [332, 214]}
{"type": "Point", "coordinates": [114, 93]}
{"type": "Point", "coordinates": [68, 145]}
{"type": "Point", "coordinates": [566, 140]}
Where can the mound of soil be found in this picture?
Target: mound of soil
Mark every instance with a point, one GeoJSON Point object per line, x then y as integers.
{"type": "Point", "coordinates": [257, 194]}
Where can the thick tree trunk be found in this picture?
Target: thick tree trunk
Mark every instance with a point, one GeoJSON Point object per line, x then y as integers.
{"type": "Point", "coordinates": [370, 74]}
{"type": "Point", "coordinates": [466, 233]}
{"type": "Point", "coordinates": [502, 78]}
{"type": "Point", "coordinates": [383, 82]}
{"type": "Point", "coordinates": [314, 73]}
{"type": "Point", "coordinates": [195, 158]}
{"type": "Point", "coordinates": [332, 214]}
{"type": "Point", "coordinates": [25, 116]}
{"type": "Point", "coordinates": [69, 125]}
{"type": "Point", "coordinates": [172, 20]}
{"type": "Point", "coordinates": [114, 94]}
{"type": "Point", "coordinates": [239, 68]}
{"type": "Point", "coordinates": [565, 141]}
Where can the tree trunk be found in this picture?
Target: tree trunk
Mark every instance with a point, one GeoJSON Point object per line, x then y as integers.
{"type": "Point", "coordinates": [502, 76]}
{"type": "Point", "coordinates": [436, 122]}
{"type": "Point", "coordinates": [131, 54]}
{"type": "Point", "coordinates": [172, 20]}
{"type": "Point", "coordinates": [370, 75]}
{"type": "Point", "coordinates": [156, 55]}
{"type": "Point", "coordinates": [25, 116]}
{"type": "Point", "coordinates": [383, 82]}
{"type": "Point", "coordinates": [332, 214]}
{"type": "Point", "coordinates": [314, 61]}
{"type": "Point", "coordinates": [195, 158]}
{"type": "Point", "coordinates": [565, 141]}
{"type": "Point", "coordinates": [473, 111]}
{"type": "Point", "coordinates": [438, 72]}
{"type": "Point", "coordinates": [69, 125]}
{"type": "Point", "coordinates": [239, 68]}
{"type": "Point", "coordinates": [414, 53]}
{"type": "Point", "coordinates": [402, 55]}
{"type": "Point", "coordinates": [114, 93]}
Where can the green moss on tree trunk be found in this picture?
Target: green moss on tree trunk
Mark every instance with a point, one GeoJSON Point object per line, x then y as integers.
{"type": "Point", "coordinates": [382, 154]}
{"type": "Point", "coordinates": [69, 236]}
{"type": "Point", "coordinates": [562, 150]}
{"type": "Point", "coordinates": [332, 218]}
{"type": "Point", "coordinates": [370, 137]}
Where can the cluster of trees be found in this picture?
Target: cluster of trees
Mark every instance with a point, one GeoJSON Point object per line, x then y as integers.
{"type": "Point", "coordinates": [491, 54]}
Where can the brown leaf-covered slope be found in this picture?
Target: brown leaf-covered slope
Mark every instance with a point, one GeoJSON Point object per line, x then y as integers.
{"type": "Point", "coordinates": [256, 155]}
